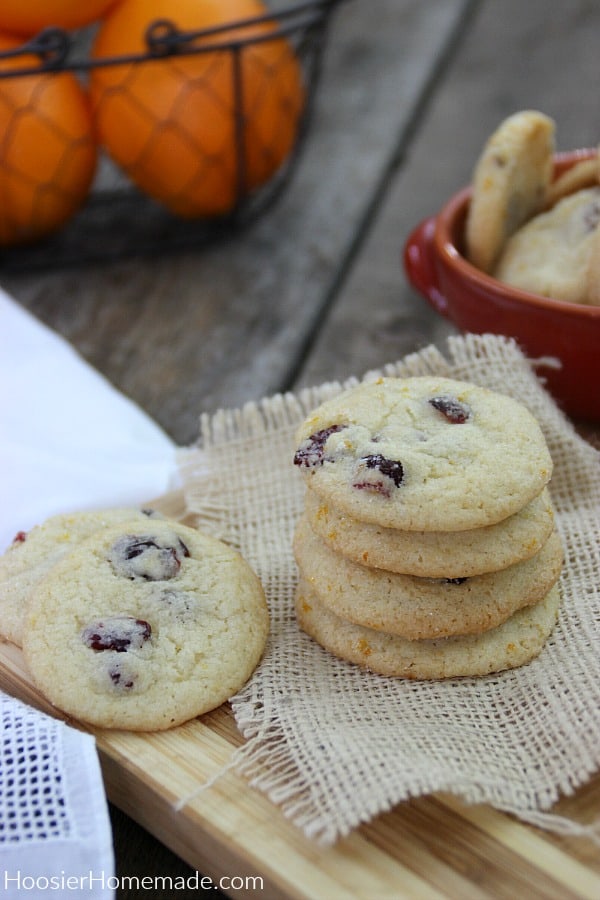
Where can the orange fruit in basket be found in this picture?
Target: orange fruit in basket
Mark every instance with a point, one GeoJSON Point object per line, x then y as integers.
{"type": "Point", "coordinates": [27, 17]}
{"type": "Point", "coordinates": [47, 149]}
{"type": "Point", "coordinates": [170, 123]}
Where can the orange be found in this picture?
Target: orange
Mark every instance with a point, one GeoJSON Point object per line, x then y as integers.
{"type": "Point", "coordinates": [27, 17]}
{"type": "Point", "coordinates": [170, 124]}
{"type": "Point", "coordinates": [47, 151]}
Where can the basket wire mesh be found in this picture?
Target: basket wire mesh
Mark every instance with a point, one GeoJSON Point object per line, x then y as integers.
{"type": "Point", "coordinates": [118, 219]}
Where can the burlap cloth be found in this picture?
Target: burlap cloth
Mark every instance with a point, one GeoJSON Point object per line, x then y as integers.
{"type": "Point", "coordinates": [332, 745]}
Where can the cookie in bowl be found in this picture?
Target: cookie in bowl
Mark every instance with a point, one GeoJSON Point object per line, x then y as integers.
{"type": "Point", "coordinates": [510, 183]}
{"type": "Point", "coordinates": [526, 227]}
{"type": "Point", "coordinates": [553, 253]}
{"type": "Point", "coordinates": [561, 338]}
{"type": "Point", "coordinates": [584, 173]}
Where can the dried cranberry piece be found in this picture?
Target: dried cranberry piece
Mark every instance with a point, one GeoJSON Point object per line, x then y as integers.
{"type": "Point", "coordinates": [19, 537]}
{"type": "Point", "coordinates": [455, 411]}
{"type": "Point", "coordinates": [377, 473]}
{"type": "Point", "coordinates": [390, 467]}
{"type": "Point", "coordinates": [137, 546]}
{"type": "Point", "coordinates": [118, 633]}
{"type": "Point", "coordinates": [147, 558]}
{"type": "Point", "coordinates": [311, 452]}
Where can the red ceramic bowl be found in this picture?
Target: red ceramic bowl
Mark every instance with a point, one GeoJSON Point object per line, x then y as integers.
{"type": "Point", "coordinates": [476, 302]}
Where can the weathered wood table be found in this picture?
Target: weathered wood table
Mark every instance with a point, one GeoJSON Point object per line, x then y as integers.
{"type": "Point", "coordinates": [315, 290]}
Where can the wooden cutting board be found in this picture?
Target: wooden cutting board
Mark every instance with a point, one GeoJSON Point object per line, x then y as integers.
{"type": "Point", "coordinates": [426, 848]}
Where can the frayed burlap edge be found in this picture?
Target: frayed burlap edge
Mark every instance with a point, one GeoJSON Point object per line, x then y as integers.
{"type": "Point", "coordinates": [239, 484]}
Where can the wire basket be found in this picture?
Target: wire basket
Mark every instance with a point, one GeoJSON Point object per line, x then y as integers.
{"type": "Point", "coordinates": [118, 219]}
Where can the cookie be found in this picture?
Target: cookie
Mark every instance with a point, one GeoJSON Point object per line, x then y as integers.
{"type": "Point", "coordinates": [33, 553]}
{"type": "Point", "coordinates": [514, 643]}
{"type": "Point", "coordinates": [510, 184]}
{"type": "Point", "coordinates": [552, 253]}
{"type": "Point", "coordinates": [435, 554]}
{"type": "Point", "coordinates": [584, 174]}
{"type": "Point", "coordinates": [423, 454]}
{"type": "Point", "coordinates": [593, 271]}
{"type": "Point", "coordinates": [144, 626]}
{"type": "Point", "coordinates": [416, 607]}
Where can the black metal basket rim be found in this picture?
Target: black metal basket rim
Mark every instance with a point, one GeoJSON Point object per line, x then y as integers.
{"type": "Point", "coordinates": [164, 39]}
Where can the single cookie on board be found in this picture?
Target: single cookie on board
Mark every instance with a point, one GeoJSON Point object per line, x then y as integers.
{"type": "Point", "coordinates": [34, 552]}
{"type": "Point", "coordinates": [551, 255]}
{"type": "Point", "coordinates": [514, 643]}
{"type": "Point", "coordinates": [423, 454]}
{"type": "Point", "coordinates": [510, 184]}
{"type": "Point", "coordinates": [418, 608]}
{"type": "Point", "coordinates": [144, 626]}
{"type": "Point", "coordinates": [435, 554]}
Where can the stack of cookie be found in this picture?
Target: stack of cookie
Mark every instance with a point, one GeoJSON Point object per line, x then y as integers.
{"type": "Point", "coordinates": [131, 620]}
{"type": "Point", "coordinates": [427, 547]}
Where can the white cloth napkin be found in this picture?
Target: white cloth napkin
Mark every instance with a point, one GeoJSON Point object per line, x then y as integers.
{"type": "Point", "coordinates": [55, 837]}
{"type": "Point", "coordinates": [68, 441]}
